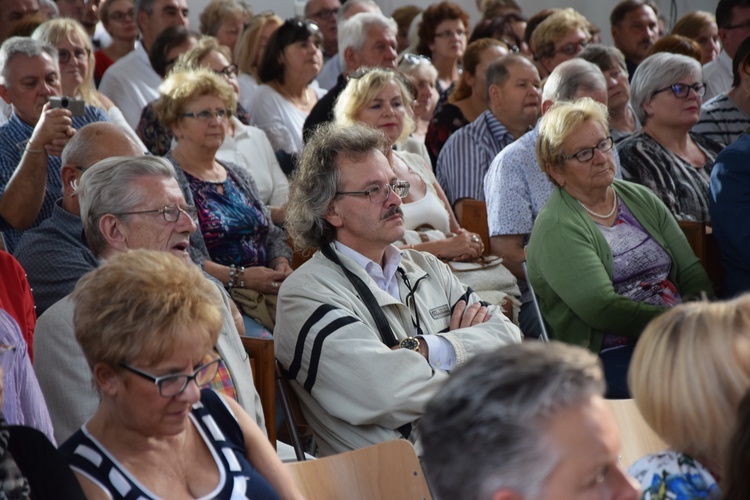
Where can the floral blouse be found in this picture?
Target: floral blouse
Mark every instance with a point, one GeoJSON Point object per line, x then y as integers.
{"type": "Point", "coordinates": [671, 475]}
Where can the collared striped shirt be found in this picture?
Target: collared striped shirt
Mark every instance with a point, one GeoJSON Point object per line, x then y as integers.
{"type": "Point", "coordinates": [467, 156]}
{"type": "Point", "coordinates": [14, 135]}
{"type": "Point", "coordinates": [722, 120]}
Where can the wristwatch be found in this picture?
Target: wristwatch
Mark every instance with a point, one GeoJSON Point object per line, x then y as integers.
{"type": "Point", "coordinates": [410, 343]}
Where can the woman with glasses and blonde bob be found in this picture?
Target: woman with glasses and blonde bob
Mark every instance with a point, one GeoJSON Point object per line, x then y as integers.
{"type": "Point", "coordinates": [237, 241]}
{"type": "Point", "coordinates": [689, 373]}
{"type": "Point", "coordinates": [665, 155]}
{"type": "Point", "coordinates": [634, 259]}
{"type": "Point", "coordinates": [76, 59]}
{"type": "Point", "coordinates": [147, 324]}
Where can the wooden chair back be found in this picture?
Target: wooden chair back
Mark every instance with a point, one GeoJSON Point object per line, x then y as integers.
{"type": "Point", "coordinates": [472, 215]}
{"type": "Point", "coordinates": [638, 439]}
{"type": "Point", "coordinates": [385, 471]}
{"type": "Point", "coordinates": [262, 363]}
{"type": "Point", "coordinates": [706, 248]}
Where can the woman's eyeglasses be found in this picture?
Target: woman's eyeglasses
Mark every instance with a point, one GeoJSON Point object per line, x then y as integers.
{"type": "Point", "coordinates": [586, 155]}
{"type": "Point", "coordinates": [207, 114]}
{"type": "Point", "coordinates": [173, 385]}
{"type": "Point", "coordinates": [413, 59]}
{"type": "Point", "coordinates": [683, 89]}
{"type": "Point", "coordinates": [230, 71]}
{"type": "Point", "coordinates": [63, 55]}
{"type": "Point", "coordinates": [121, 16]}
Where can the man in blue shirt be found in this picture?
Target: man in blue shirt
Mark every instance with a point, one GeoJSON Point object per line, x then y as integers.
{"type": "Point", "coordinates": [34, 136]}
{"type": "Point", "coordinates": [55, 254]}
{"type": "Point", "coordinates": [514, 101]}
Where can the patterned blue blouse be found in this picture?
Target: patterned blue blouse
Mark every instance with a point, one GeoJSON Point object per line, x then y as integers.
{"type": "Point", "coordinates": [234, 227]}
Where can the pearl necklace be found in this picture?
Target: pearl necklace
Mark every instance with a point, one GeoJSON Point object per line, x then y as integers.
{"type": "Point", "coordinates": [600, 216]}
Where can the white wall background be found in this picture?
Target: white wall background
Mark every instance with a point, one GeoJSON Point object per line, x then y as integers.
{"type": "Point", "coordinates": [596, 11]}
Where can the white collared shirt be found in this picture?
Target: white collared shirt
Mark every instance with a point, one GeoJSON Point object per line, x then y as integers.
{"type": "Point", "coordinates": [442, 355]}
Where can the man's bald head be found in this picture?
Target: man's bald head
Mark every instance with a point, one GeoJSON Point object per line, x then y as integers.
{"type": "Point", "coordinates": [97, 141]}
{"type": "Point", "coordinates": [93, 142]}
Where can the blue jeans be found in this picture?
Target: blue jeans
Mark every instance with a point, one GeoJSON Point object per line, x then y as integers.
{"type": "Point", "coordinates": [255, 329]}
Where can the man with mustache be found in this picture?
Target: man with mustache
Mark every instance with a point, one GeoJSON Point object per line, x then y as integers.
{"type": "Point", "coordinates": [367, 333]}
{"type": "Point", "coordinates": [635, 29]}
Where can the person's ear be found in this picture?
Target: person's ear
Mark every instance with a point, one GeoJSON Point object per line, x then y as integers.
{"type": "Point", "coordinates": [106, 379]}
{"type": "Point", "coordinates": [555, 171]}
{"type": "Point", "coordinates": [4, 93]}
{"type": "Point", "coordinates": [506, 495]}
{"type": "Point", "coordinates": [546, 105]}
{"type": "Point", "coordinates": [351, 58]}
{"type": "Point", "coordinates": [114, 231]}
{"type": "Point", "coordinates": [333, 217]}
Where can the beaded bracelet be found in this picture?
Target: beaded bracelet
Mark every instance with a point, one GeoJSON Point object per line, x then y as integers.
{"type": "Point", "coordinates": [242, 276]}
{"type": "Point", "coordinates": [232, 271]}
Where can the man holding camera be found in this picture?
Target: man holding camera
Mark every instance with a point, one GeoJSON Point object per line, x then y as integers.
{"type": "Point", "coordinates": [34, 136]}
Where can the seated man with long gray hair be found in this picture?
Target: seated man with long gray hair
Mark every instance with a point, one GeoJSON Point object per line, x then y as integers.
{"type": "Point", "coordinates": [526, 421]}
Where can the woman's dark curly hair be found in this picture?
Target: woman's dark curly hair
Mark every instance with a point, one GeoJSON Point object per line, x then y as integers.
{"type": "Point", "coordinates": [434, 15]}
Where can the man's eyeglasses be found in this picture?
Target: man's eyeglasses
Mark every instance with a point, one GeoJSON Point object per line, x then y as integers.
{"type": "Point", "coordinates": [63, 55]}
{"type": "Point", "coordinates": [324, 14]}
{"type": "Point", "coordinates": [379, 194]}
{"type": "Point", "coordinates": [230, 71]}
{"type": "Point", "coordinates": [207, 114]}
{"type": "Point", "coordinates": [586, 155]}
{"type": "Point", "coordinates": [121, 16]}
{"type": "Point", "coordinates": [571, 49]}
{"type": "Point", "coordinates": [170, 213]}
{"type": "Point", "coordinates": [174, 385]}
{"type": "Point", "coordinates": [683, 89]}
{"type": "Point", "coordinates": [451, 34]}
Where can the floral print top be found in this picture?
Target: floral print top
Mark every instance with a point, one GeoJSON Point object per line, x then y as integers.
{"type": "Point", "coordinates": [671, 475]}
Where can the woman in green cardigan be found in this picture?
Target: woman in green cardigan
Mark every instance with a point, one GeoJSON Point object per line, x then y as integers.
{"type": "Point", "coordinates": [605, 256]}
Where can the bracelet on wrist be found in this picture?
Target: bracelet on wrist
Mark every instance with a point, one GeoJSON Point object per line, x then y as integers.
{"type": "Point", "coordinates": [242, 276]}
{"type": "Point", "coordinates": [232, 272]}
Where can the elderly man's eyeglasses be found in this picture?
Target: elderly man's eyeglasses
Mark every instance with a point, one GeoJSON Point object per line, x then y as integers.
{"type": "Point", "coordinates": [170, 214]}
{"type": "Point", "coordinates": [325, 13]}
{"type": "Point", "coordinates": [586, 155]}
{"type": "Point", "coordinates": [230, 71]}
{"type": "Point", "coordinates": [379, 194]}
{"type": "Point", "coordinates": [63, 55]}
{"type": "Point", "coordinates": [207, 114]}
{"type": "Point", "coordinates": [173, 385]}
{"type": "Point", "coordinates": [683, 89]}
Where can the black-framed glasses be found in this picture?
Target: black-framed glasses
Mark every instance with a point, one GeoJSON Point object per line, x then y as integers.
{"type": "Point", "coordinates": [586, 155]}
{"type": "Point", "coordinates": [63, 55]}
{"type": "Point", "coordinates": [324, 13]}
{"type": "Point", "coordinates": [683, 89]}
{"type": "Point", "coordinates": [207, 114]}
{"type": "Point", "coordinates": [230, 71]}
{"type": "Point", "coordinates": [745, 25]}
{"type": "Point", "coordinates": [451, 33]}
{"type": "Point", "coordinates": [170, 213]}
{"type": "Point", "coordinates": [571, 49]}
{"type": "Point", "coordinates": [379, 194]}
{"type": "Point", "coordinates": [121, 16]}
{"type": "Point", "coordinates": [174, 385]}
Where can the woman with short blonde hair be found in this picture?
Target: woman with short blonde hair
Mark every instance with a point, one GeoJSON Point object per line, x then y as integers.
{"type": "Point", "coordinates": [689, 372]}
{"type": "Point", "coordinates": [147, 323]}
{"type": "Point", "coordinates": [248, 52]}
